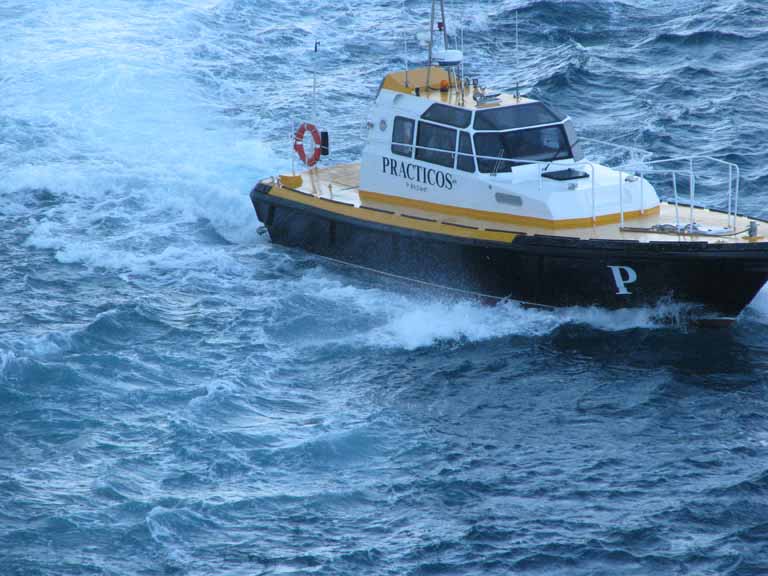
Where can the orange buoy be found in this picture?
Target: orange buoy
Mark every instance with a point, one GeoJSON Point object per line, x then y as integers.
{"type": "Point", "coordinates": [298, 143]}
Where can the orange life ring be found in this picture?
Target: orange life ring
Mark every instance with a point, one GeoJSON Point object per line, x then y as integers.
{"type": "Point", "coordinates": [298, 143]}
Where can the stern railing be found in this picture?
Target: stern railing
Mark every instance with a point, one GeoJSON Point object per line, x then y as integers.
{"type": "Point", "coordinates": [691, 164]}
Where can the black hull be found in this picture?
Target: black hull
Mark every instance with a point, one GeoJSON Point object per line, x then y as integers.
{"type": "Point", "coordinates": [545, 270]}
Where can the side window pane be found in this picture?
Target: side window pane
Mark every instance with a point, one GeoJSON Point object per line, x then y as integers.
{"type": "Point", "coordinates": [402, 136]}
{"type": "Point", "coordinates": [431, 140]}
{"type": "Point", "coordinates": [466, 160]}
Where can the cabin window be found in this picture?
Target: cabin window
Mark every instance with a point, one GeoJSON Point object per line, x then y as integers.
{"type": "Point", "coordinates": [466, 160]}
{"type": "Point", "coordinates": [402, 136]}
{"type": "Point", "coordinates": [518, 116]}
{"type": "Point", "coordinates": [537, 145]}
{"type": "Point", "coordinates": [431, 142]}
{"type": "Point", "coordinates": [450, 115]}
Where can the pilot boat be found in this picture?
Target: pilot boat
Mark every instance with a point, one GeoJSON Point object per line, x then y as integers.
{"type": "Point", "coordinates": [492, 195]}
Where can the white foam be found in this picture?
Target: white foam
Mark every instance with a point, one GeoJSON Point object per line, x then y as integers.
{"type": "Point", "coordinates": [38, 347]}
{"type": "Point", "coordinates": [113, 254]}
{"type": "Point", "coordinates": [424, 324]}
{"type": "Point", "coordinates": [759, 306]}
{"type": "Point", "coordinates": [108, 106]}
{"type": "Point", "coordinates": [415, 321]}
{"type": "Point", "coordinates": [50, 344]}
{"type": "Point", "coordinates": [6, 358]}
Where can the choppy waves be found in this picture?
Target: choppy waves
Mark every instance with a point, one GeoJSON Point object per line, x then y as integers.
{"type": "Point", "coordinates": [179, 396]}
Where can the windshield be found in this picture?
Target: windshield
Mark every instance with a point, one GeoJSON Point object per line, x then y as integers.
{"type": "Point", "coordinates": [518, 116]}
{"type": "Point", "coordinates": [537, 144]}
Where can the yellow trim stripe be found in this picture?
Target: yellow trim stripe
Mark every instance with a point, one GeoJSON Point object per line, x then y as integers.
{"type": "Point", "coordinates": [505, 218]}
{"type": "Point", "coordinates": [389, 219]}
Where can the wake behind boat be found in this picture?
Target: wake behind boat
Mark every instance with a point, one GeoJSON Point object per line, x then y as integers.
{"type": "Point", "coordinates": [491, 194]}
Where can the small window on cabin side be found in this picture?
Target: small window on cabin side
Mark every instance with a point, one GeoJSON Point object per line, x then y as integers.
{"type": "Point", "coordinates": [451, 115]}
{"type": "Point", "coordinates": [466, 160]}
{"type": "Point", "coordinates": [402, 136]}
{"type": "Point", "coordinates": [436, 144]}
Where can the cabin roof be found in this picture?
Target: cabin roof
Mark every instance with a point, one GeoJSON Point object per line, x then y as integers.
{"type": "Point", "coordinates": [417, 78]}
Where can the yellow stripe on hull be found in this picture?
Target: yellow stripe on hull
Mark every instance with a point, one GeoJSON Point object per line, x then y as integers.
{"type": "Point", "coordinates": [390, 219]}
{"type": "Point", "coordinates": [375, 197]}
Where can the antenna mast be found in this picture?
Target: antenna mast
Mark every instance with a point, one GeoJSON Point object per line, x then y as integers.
{"type": "Point", "coordinates": [461, 69]}
{"type": "Point", "coordinates": [405, 47]}
{"type": "Point", "coordinates": [445, 28]}
{"type": "Point", "coordinates": [432, 35]}
{"type": "Point", "coordinates": [517, 58]}
{"type": "Point", "coordinates": [314, 84]}
{"type": "Point", "coordinates": [431, 41]}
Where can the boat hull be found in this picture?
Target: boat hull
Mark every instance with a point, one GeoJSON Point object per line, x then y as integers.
{"type": "Point", "coordinates": [537, 269]}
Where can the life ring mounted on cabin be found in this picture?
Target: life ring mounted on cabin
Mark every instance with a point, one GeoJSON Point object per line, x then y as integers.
{"type": "Point", "coordinates": [298, 143]}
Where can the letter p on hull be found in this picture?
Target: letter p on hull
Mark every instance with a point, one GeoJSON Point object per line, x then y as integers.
{"type": "Point", "coordinates": [623, 275]}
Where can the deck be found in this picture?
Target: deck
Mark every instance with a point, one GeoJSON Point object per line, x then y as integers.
{"type": "Point", "coordinates": [340, 184]}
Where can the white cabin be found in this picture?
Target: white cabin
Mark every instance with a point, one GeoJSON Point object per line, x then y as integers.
{"type": "Point", "coordinates": [435, 144]}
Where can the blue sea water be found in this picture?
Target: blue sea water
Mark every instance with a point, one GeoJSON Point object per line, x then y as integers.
{"type": "Point", "coordinates": [179, 396]}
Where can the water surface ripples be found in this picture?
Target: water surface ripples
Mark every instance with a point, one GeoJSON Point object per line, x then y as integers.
{"type": "Point", "coordinates": [178, 396]}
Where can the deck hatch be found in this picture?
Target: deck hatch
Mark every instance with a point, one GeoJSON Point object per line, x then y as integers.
{"type": "Point", "coordinates": [567, 174]}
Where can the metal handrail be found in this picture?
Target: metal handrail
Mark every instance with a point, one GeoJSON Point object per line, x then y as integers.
{"type": "Point", "coordinates": [570, 163]}
{"type": "Point", "coordinates": [734, 177]}
{"type": "Point", "coordinates": [642, 168]}
{"type": "Point", "coordinates": [614, 145]}
{"type": "Point", "coordinates": [562, 162]}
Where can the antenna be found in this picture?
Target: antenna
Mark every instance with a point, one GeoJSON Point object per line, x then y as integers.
{"type": "Point", "coordinates": [461, 67]}
{"type": "Point", "coordinates": [431, 41]}
{"type": "Point", "coordinates": [314, 84]}
{"type": "Point", "coordinates": [517, 58]}
{"type": "Point", "coordinates": [442, 28]}
{"type": "Point", "coordinates": [405, 56]}
{"type": "Point", "coordinates": [405, 47]}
